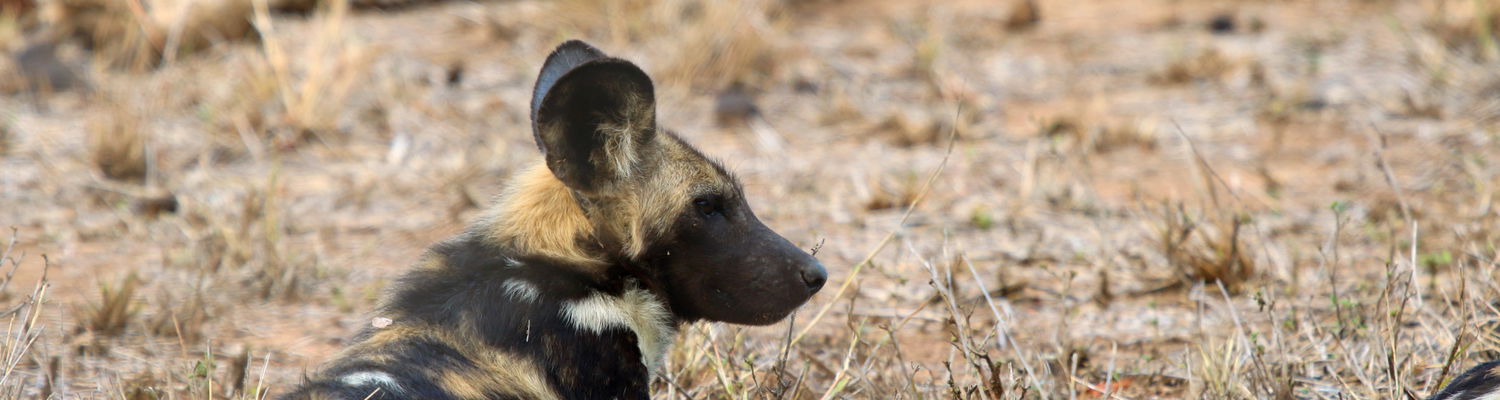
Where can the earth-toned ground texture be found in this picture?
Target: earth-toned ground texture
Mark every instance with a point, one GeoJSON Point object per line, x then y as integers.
{"type": "Point", "coordinates": [1146, 199]}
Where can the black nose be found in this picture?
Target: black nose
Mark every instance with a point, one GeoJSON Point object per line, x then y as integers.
{"type": "Point", "coordinates": [814, 276]}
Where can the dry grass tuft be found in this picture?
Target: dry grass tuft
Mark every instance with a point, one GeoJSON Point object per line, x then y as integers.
{"type": "Point", "coordinates": [908, 128]}
{"type": "Point", "coordinates": [143, 386]}
{"type": "Point", "coordinates": [117, 144]}
{"type": "Point", "coordinates": [115, 308]}
{"type": "Point", "coordinates": [180, 319]}
{"type": "Point", "coordinates": [1106, 139]}
{"type": "Point", "coordinates": [1211, 251]}
{"type": "Point", "coordinates": [839, 109]}
{"type": "Point", "coordinates": [618, 21]}
{"type": "Point", "coordinates": [893, 192]}
{"type": "Point", "coordinates": [1208, 65]}
{"type": "Point", "coordinates": [1024, 15]}
{"type": "Point", "coordinates": [1469, 26]}
{"type": "Point", "coordinates": [139, 35]}
{"type": "Point", "coordinates": [708, 44]}
{"type": "Point", "coordinates": [728, 42]}
{"type": "Point", "coordinates": [22, 327]}
{"type": "Point", "coordinates": [1100, 138]}
{"type": "Point", "coordinates": [297, 87]}
{"type": "Point", "coordinates": [7, 136]}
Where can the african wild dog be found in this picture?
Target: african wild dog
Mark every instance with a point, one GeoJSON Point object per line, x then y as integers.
{"type": "Point", "coordinates": [1479, 383]}
{"type": "Point", "coordinates": [574, 284]}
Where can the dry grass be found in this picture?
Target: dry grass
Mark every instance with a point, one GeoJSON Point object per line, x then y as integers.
{"type": "Point", "coordinates": [138, 35]}
{"type": "Point", "coordinates": [23, 322]}
{"type": "Point", "coordinates": [1208, 65]}
{"type": "Point", "coordinates": [296, 88]}
{"type": "Point", "coordinates": [1212, 250]}
{"type": "Point", "coordinates": [711, 43]}
{"type": "Point", "coordinates": [118, 144]}
{"type": "Point", "coordinates": [6, 136]}
{"type": "Point", "coordinates": [1024, 15]}
{"type": "Point", "coordinates": [1101, 137]}
{"type": "Point", "coordinates": [116, 307]}
{"type": "Point", "coordinates": [1471, 27]}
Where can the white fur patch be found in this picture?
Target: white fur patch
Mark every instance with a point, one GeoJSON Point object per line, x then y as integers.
{"type": "Point", "coordinates": [380, 322]}
{"type": "Point", "coordinates": [512, 263]}
{"type": "Point", "coordinates": [636, 310]}
{"type": "Point", "coordinates": [377, 378]}
{"type": "Point", "coordinates": [521, 290]}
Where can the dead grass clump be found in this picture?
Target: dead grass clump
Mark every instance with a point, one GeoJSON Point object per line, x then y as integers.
{"type": "Point", "coordinates": [1211, 251]}
{"type": "Point", "coordinates": [114, 31]}
{"type": "Point", "coordinates": [6, 137]}
{"type": "Point", "coordinates": [1472, 26]}
{"type": "Point", "coordinates": [1121, 136]}
{"type": "Point", "coordinates": [299, 84]}
{"type": "Point", "coordinates": [117, 144]}
{"type": "Point", "coordinates": [840, 108]}
{"type": "Point", "coordinates": [143, 386]}
{"type": "Point", "coordinates": [1208, 65]}
{"type": "Point", "coordinates": [22, 327]}
{"type": "Point", "coordinates": [17, 9]}
{"type": "Point", "coordinates": [708, 44]}
{"type": "Point", "coordinates": [115, 308]}
{"type": "Point", "coordinates": [891, 193]}
{"type": "Point", "coordinates": [486, 29]}
{"type": "Point", "coordinates": [906, 128]}
{"type": "Point", "coordinates": [1101, 138]}
{"type": "Point", "coordinates": [729, 41]}
{"type": "Point", "coordinates": [273, 270]}
{"type": "Point", "coordinates": [620, 21]}
{"type": "Point", "coordinates": [141, 34]}
{"type": "Point", "coordinates": [1024, 15]}
{"type": "Point", "coordinates": [183, 320]}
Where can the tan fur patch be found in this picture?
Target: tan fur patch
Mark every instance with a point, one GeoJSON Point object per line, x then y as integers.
{"type": "Point", "coordinates": [498, 371]}
{"type": "Point", "coordinates": [538, 215]}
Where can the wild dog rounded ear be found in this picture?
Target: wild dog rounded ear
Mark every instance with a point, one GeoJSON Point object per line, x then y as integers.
{"type": "Point", "coordinates": [591, 115]}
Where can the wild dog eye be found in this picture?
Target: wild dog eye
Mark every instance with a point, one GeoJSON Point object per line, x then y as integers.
{"type": "Point", "coordinates": [707, 206]}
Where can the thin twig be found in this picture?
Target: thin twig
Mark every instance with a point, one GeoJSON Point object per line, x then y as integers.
{"type": "Point", "coordinates": [860, 266]}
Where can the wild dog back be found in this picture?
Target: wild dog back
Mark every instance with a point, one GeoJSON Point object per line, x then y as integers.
{"type": "Point", "coordinates": [575, 282]}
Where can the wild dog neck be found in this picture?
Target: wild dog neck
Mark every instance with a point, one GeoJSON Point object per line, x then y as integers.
{"type": "Point", "coordinates": [539, 215]}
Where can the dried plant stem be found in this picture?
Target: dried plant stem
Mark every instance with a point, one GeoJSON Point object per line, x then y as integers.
{"type": "Point", "coordinates": [860, 266]}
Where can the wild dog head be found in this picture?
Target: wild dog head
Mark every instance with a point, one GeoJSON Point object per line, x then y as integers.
{"type": "Point", "coordinates": [654, 203]}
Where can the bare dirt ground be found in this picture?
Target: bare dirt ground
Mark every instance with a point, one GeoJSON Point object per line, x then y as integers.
{"type": "Point", "coordinates": [1155, 199]}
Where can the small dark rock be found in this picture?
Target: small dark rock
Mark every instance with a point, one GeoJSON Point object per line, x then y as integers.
{"type": "Point", "coordinates": [1222, 24]}
{"type": "Point", "coordinates": [155, 205]}
{"type": "Point", "coordinates": [455, 74]}
{"type": "Point", "coordinates": [734, 106]}
{"type": "Point", "coordinates": [42, 71]}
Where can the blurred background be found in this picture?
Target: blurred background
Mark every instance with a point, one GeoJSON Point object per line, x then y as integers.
{"type": "Point", "coordinates": [1016, 199]}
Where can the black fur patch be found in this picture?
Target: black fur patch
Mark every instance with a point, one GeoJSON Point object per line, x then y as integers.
{"type": "Point", "coordinates": [1477, 382]}
{"type": "Point", "coordinates": [466, 294]}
